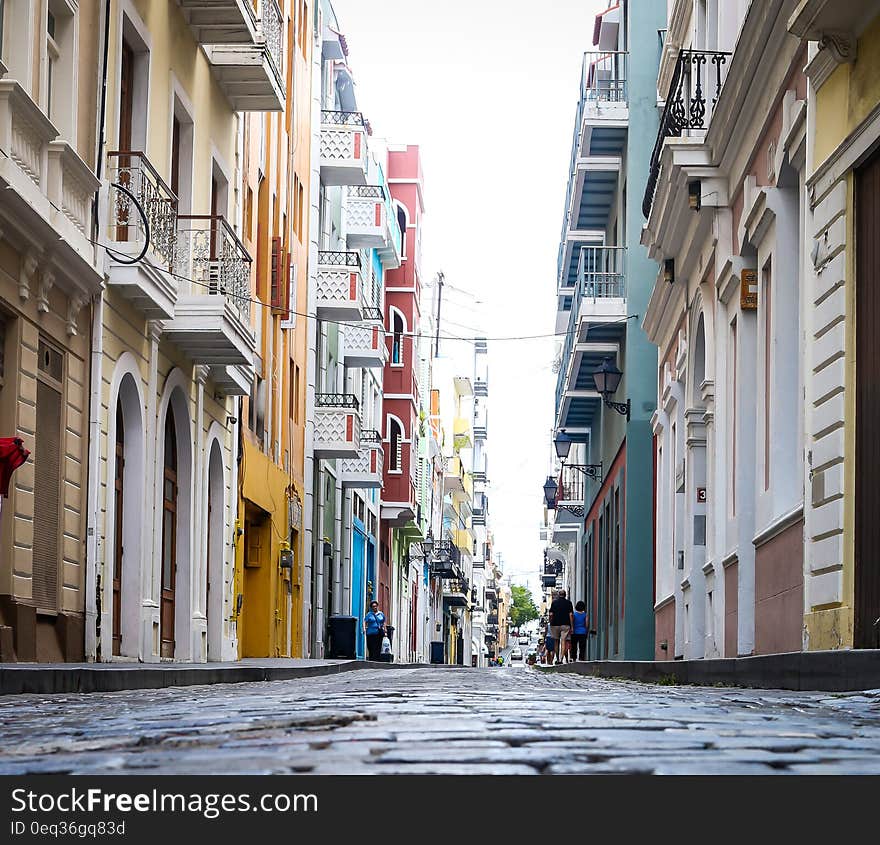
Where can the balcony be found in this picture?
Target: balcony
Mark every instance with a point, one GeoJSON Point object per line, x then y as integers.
{"type": "Point", "coordinates": [696, 85]}
{"type": "Point", "coordinates": [456, 592]}
{"type": "Point", "coordinates": [371, 224]}
{"type": "Point", "coordinates": [464, 540]}
{"type": "Point", "coordinates": [595, 324]}
{"type": "Point", "coordinates": [365, 471]}
{"type": "Point", "coordinates": [458, 482]}
{"type": "Point", "coordinates": [481, 432]}
{"type": "Point", "coordinates": [572, 491]}
{"type": "Point", "coordinates": [148, 286]}
{"type": "Point", "coordinates": [220, 21]}
{"type": "Point", "coordinates": [212, 315]}
{"type": "Point", "coordinates": [462, 433]}
{"type": "Point", "coordinates": [339, 286]}
{"type": "Point", "coordinates": [46, 189]}
{"type": "Point", "coordinates": [604, 83]}
{"type": "Point", "coordinates": [365, 342]}
{"type": "Point", "coordinates": [481, 387]}
{"type": "Point", "coordinates": [337, 426]}
{"type": "Point", "coordinates": [445, 560]}
{"type": "Point", "coordinates": [343, 148]}
{"type": "Point", "coordinates": [250, 72]}
{"type": "Point", "coordinates": [478, 517]}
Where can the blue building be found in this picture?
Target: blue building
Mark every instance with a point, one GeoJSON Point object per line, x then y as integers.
{"type": "Point", "coordinates": [604, 495]}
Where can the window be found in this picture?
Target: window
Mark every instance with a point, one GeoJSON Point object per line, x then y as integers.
{"type": "Point", "coordinates": [401, 221]}
{"type": "Point", "coordinates": [47, 486]}
{"type": "Point", "coordinates": [395, 457]}
{"type": "Point", "coordinates": [303, 26]}
{"type": "Point", "coordinates": [299, 208]}
{"type": "Point", "coordinates": [767, 303]}
{"type": "Point", "coordinates": [58, 84]}
{"type": "Point", "coordinates": [294, 394]}
{"type": "Point", "coordinates": [296, 220]}
{"type": "Point", "coordinates": [397, 329]}
{"type": "Point", "coordinates": [53, 55]}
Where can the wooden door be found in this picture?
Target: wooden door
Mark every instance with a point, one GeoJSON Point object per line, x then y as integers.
{"type": "Point", "coordinates": [867, 527]}
{"type": "Point", "coordinates": [126, 110]}
{"type": "Point", "coordinates": [175, 156]}
{"type": "Point", "coordinates": [169, 537]}
{"type": "Point", "coordinates": [208, 560]}
{"type": "Point", "coordinates": [118, 521]}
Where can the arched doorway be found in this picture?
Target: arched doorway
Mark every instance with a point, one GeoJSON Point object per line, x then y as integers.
{"type": "Point", "coordinates": [169, 537]}
{"type": "Point", "coordinates": [214, 570]}
{"type": "Point", "coordinates": [125, 514]}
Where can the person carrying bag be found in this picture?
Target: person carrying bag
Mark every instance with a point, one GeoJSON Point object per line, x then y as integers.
{"type": "Point", "coordinates": [374, 628]}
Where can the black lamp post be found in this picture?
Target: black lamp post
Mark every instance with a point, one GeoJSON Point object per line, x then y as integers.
{"type": "Point", "coordinates": [607, 378]}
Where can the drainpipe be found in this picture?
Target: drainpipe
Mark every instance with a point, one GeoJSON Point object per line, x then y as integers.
{"type": "Point", "coordinates": [92, 641]}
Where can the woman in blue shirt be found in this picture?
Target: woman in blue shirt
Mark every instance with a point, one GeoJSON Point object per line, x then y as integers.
{"type": "Point", "coordinates": [579, 633]}
{"type": "Point", "coordinates": [374, 628]}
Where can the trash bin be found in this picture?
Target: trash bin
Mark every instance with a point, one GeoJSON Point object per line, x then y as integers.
{"type": "Point", "coordinates": [341, 634]}
{"type": "Point", "coordinates": [389, 632]}
{"type": "Point", "coordinates": [437, 651]}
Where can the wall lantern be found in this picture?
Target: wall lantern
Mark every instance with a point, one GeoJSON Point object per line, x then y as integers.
{"type": "Point", "coordinates": [551, 487]}
{"type": "Point", "coordinates": [607, 378]}
{"type": "Point", "coordinates": [562, 442]}
{"type": "Point", "coordinates": [428, 543]}
{"type": "Point", "coordinates": [694, 195]}
{"type": "Point", "coordinates": [669, 270]}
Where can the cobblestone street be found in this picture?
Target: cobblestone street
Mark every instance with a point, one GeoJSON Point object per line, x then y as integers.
{"type": "Point", "coordinates": [442, 720]}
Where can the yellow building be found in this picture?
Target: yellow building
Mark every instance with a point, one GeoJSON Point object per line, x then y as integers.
{"type": "Point", "coordinates": [50, 283]}
{"type": "Point", "coordinates": [276, 172]}
{"type": "Point", "coordinates": [175, 330]}
{"type": "Point", "coordinates": [842, 585]}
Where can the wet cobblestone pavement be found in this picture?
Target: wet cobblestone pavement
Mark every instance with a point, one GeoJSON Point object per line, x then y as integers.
{"type": "Point", "coordinates": [445, 721]}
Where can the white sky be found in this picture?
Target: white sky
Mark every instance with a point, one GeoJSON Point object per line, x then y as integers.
{"type": "Point", "coordinates": [488, 89]}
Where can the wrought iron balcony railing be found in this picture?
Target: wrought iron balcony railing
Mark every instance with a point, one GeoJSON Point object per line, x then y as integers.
{"type": "Point", "coordinates": [134, 171]}
{"type": "Point", "coordinates": [331, 258]}
{"type": "Point", "coordinates": [370, 436]}
{"type": "Point", "coordinates": [214, 259]}
{"type": "Point", "coordinates": [693, 92]}
{"type": "Point", "coordinates": [373, 314]}
{"type": "Point", "coordinates": [342, 118]}
{"type": "Point", "coordinates": [337, 400]}
{"type": "Point", "coordinates": [373, 192]}
{"type": "Point", "coordinates": [572, 485]}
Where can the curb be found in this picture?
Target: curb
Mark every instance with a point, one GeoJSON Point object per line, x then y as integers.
{"type": "Point", "coordinates": [79, 679]}
{"type": "Point", "coordinates": [822, 671]}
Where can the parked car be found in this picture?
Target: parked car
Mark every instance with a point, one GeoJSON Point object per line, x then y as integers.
{"type": "Point", "coordinates": [516, 654]}
{"type": "Point", "coordinates": [524, 640]}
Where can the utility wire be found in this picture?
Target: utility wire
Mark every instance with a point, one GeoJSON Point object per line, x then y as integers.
{"type": "Point", "coordinates": [418, 335]}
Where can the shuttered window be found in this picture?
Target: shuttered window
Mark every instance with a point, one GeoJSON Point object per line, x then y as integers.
{"type": "Point", "coordinates": [47, 467]}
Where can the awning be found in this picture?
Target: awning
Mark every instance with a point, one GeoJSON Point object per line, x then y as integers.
{"type": "Point", "coordinates": [606, 28]}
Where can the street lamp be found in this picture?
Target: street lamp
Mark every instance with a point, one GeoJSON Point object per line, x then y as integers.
{"type": "Point", "coordinates": [563, 442]}
{"type": "Point", "coordinates": [607, 378]}
{"type": "Point", "coordinates": [551, 487]}
{"type": "Point", "coordinates": [428, 543]}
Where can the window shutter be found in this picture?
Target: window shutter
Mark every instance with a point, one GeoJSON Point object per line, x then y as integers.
{"type": "Point", "coordinates": [277, 291]}
{"type": "Point", "coordinates": [47, 464]}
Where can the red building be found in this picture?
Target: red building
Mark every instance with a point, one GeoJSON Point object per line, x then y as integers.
{"type": "Point", "coordinates": [400, 517]}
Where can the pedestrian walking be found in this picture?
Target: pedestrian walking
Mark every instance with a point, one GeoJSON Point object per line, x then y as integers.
{"type": "Point", "coordinates": [579, 632]}
{"type": "Point", "coordinates": [548, 649]}
{"type": "Point", "coordinates": [561, 620]}
{"type": "Point", "coordinates": [374, 628]}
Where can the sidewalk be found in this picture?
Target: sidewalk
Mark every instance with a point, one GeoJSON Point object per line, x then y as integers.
{"type": "Point", "coordinates": [829, 671]}
{"type": "Point", "coordinates": [49, 678]}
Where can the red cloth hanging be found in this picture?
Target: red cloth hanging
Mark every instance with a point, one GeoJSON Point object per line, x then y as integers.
{"type": "Point", "coordinates": [12, 456]}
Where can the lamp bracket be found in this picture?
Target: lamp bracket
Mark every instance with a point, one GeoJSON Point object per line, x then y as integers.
{"type": "Point", "coordinates": [622, 408]}
{"type": "Point", "coordinates": [589, 470]}
{"type": "Point", "coordinates": [574, 510]}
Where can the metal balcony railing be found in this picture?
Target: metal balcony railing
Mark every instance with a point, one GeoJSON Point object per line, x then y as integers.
{"type": "Point", "coordinates": [693, 92]}
{"type": "Point", "coordinates": [604, 77]}
{"type": "Point", "coordinates": [342, 118]}
{"type": "Point", "coordinates": [214, 259]}
{"type": "Point", "coordinates": [572, 485]}
{"type": "Point", "coordinates": [134, 171]}
{"type": "Point", "coordinates": [372, 314]}
{"type": "Point", "coordinates": [332, 258]}
{"type": "Point", "coordinates": [373, 192]}
{"type": "Point", "coordinates": [337, 400]}
{"type": "Point", "coordinates": [370, 437]}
